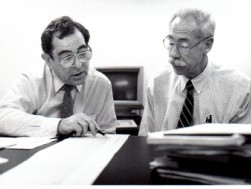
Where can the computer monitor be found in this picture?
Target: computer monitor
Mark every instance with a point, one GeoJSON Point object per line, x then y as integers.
{"type": "Point", "coordinates": [127, 85]}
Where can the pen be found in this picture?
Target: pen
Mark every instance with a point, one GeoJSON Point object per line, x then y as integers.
{"type": "Point", "coordinates": [61, 137]}
{"type": "Point", "coordinates": [98, 131]}
{"type": "Point", "coordinates": [101, 132]}
{"type": "Point", "coordinates": [209, 119]}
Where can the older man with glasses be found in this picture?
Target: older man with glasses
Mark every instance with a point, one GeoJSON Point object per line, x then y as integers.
{"type": "Point", "coordinates": [195, 91]}
{"type": "Point", "coordinates": [66, 98]}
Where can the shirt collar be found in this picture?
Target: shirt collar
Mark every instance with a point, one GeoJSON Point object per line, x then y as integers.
{"type": "Point", "coordinates": [199, 81]}
{"type": "Point", "coordinates": [58, 83]}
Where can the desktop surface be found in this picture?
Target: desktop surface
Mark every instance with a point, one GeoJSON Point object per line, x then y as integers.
{"type": "Point", "coordinates": [129, 166]}
{"type": "Point", "coordinates": [15, 156]}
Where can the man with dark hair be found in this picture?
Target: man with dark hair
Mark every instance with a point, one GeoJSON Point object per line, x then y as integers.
{"type": "Point", "coordinates": [195, 91]}
{"type": "Point", "coordinates": [67, 97]}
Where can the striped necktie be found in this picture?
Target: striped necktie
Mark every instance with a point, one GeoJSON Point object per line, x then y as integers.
{"type": "Point", "coordinates": [186, 116]}
{"type": "Point", "coordinates": [66, 108]}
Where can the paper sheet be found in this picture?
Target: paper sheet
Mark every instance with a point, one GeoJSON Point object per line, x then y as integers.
{"type": "Point", "coordinates": [6, 141]}
{"type": "Point", "coordinates": [214, 128]}
{"type": "Point", "coordinates": [203, 135]}
{"type": "Point", "coordinates": [23, 142]}
{"type": "Point", "coordinates": [3, 160]}
{"type": "Point", "coordinates": [73, 161]}
{"type": "Point", "coordinates": [220, 141]}
{"type": "Point", "coordinates": [30, 142]}
{"type": "Point", "coordinates": [200, 177]}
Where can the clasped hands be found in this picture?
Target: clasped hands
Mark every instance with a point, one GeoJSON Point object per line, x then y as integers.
{"type": "Point", "coordinates": [78, 124]}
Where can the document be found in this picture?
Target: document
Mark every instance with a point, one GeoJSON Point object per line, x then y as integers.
{"type": "Point", "coordinates": [213, 128]}
{"type": "Point", "coordinates": [30, 142]}
{"type": "Point", "coordinates": [207, 154]}
{"type": "Point", "coordinates": [23, 142]}
{"type": "Point", "coordinates": [203, 135]}
{"type": "Point", "coordinates": [6, 141]}
{"type": "Point", "coordinates": [199, 177]}
{"type": "Point", "coordinates": [3, 160]}
{"type": "Point", "coordinates": [73, 161]}
{"type": "Point", "coordinates": [232, 140]}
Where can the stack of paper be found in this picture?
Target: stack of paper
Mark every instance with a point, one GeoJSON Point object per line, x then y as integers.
{"type": "Point", "coordinates": [208, 154]}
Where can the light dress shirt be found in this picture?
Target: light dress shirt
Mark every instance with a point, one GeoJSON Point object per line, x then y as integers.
{"type": "Point", "coordinates": [31, 106]}
{"type": "Point", "coordinates": [222, 93]}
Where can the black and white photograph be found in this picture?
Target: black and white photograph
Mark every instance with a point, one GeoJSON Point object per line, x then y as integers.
{"type": "Point", "coordinates": [125, 94]}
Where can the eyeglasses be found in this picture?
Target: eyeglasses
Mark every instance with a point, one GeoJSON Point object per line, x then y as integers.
{"type": "Point", "coordinates": [68, 59]}
{"type": "Point", "coordinates": [183, 47]}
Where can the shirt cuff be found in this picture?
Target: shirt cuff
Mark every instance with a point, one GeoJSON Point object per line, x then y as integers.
{"type": "Point", "coordinates": [49, 127]}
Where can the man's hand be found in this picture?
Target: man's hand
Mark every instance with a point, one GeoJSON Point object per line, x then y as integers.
{"type": "Point", "coordinates": [78, 124]}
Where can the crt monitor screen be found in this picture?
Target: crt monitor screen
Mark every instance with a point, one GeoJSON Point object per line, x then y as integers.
{"type": "Point", "coordinates": [127, 84]}
{"type": "Point", "coordinates": [124, 85]}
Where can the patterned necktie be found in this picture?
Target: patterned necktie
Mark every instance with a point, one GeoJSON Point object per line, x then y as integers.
{"type": "Point", "coordinates": [66, 108]}
{"type": "Point", "coordinates": [186, 116]}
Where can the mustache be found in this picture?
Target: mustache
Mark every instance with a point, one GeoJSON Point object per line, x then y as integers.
{"type": "Point", "coordinates": [177, 62]}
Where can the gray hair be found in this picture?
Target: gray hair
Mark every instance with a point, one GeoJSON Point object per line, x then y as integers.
{"type": "Point", "coordinates": [204, 20]}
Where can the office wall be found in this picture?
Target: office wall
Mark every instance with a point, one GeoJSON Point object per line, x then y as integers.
{"type": "Point", "coordinates": [123, 32]}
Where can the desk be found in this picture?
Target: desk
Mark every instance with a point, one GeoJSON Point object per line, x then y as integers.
{"type": "Point", "coordinates": [129, 166]}
{"type": "Point", "coordinates": [16, 157]}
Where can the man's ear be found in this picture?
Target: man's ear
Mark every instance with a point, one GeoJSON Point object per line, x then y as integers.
{"type": "Point", "coordinates": [208, 45]}
{"type": "Point", "coordinates": [47, 58]}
